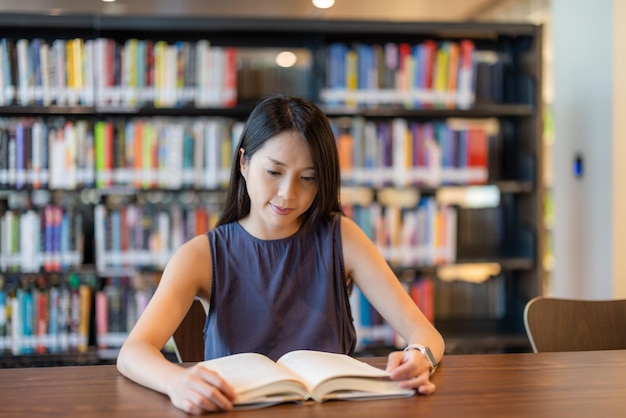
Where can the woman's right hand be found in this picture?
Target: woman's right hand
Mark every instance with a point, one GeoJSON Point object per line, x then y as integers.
{"type": "Point", "coordinates": [198, 390]}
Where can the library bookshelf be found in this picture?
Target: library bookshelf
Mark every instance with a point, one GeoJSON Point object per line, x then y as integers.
{"type": "Point", "coordinates": [117, 131]}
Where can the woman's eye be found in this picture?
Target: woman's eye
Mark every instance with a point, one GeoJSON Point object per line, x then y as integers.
{"type": "Point", "coordinates": [308, 179]}
{"type": "Point", "coordinates": [272, 172]}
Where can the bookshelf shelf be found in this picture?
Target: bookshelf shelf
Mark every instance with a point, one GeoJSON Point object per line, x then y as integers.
{"type": "Point", "coordinates": [482, 336]}
{"type": "Point", "coordinates": [500, 102]}
{"type": "Point", "coordinates": [244, 109]}
{"type": "Point", "coordinates": [510, 264]}
{"type": "Point", "coordinates": [88, 358]}
{"type": "Point", "coordinates": [47, 110]}
{"type": "Point", "coordinates": [480, 111]}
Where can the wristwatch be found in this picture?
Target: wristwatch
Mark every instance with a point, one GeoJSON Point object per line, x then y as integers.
{"type": "Point", "coordinates": [425, 350]}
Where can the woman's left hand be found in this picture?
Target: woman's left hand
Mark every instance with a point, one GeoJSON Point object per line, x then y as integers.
{"type": "Point", "coordinates": [412, 370]}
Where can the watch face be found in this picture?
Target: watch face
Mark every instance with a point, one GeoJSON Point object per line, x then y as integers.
{"type": "Point", "coordinates": [431, 358]}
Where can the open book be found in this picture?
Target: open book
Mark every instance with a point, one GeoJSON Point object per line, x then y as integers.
{"type": "Point", "coordinates": [302, 375]}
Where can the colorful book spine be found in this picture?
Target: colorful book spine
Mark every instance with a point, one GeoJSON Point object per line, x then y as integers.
{"type": "Point", "coordinates": [466, 78]}
{"type": "Point", "coordinates": [5, 338]}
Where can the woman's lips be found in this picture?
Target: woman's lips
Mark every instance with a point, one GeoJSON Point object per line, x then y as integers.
{"type": "Point", "coordinates": [280, 210]}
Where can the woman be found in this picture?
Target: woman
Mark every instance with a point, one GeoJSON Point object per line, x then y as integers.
{"type": "Point", "coordinates": [276, 269]}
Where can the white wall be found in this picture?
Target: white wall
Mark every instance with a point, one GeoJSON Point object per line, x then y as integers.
{"type": "Point", "coordinates": [619, 150]}
{"type": "Point", "coordinates": [586, 122]}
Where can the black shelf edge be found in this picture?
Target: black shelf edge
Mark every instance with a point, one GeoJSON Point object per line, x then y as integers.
{"type": "Point", "coordinates": [82, 269]}
{"type": "Point", "coordinates": [244, 109]}
{"type": "Point", "coordinates": [313, 25]}
{"type": "Point", "coordinates": [507, 264]}
{"type": "Point", "coordinates": [476, 336]}
{"type": "Point", "coordinates": [478, 111]}
{"type": "Point", "coordinates": [99, 111]}
{"type": "Point", "coordinates": [504, 186]}
{"type": "Point", "coordinates": [508, 186]}
{"type": "Point", "coordinates": [111, 190]}
{"type": "Point", "coordinates": [89, 357]}
{"type": "Point", "coordinates": [459, 342]}
{"type": "Point", "coordinates": [483, 344]}
{"type": "Point", "coordinates": [241, 110]}
{"type": "Point", "coordinates": [52, 110]}
{"type": "Point", "coordinates": [10, 21]}
{"type": "Point", "coordinates": [512, 186]}
{"type": "Point", "coordinates": [98, 24]}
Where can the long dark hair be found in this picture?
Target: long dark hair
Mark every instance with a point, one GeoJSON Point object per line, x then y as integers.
{"type": "Point", "coordinates": [272, 116]}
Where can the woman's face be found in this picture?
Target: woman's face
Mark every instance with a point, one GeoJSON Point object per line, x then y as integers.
{"type": "Point", "coordinates": [282, 184]}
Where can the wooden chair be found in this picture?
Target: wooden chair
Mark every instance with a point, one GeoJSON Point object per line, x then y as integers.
{"type": "Point", "coordinates": [554, 324]}
{"type": "Point", "coordinates": [188, 338]}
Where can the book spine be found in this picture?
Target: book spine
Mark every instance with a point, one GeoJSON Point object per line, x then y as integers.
{"type": "Point", "coordinates": [4, 309]}
{"type": "Point", "coordinates": [466, 79]}
{"type": "Point", "coordinates": [53, 311]}
{"type": "Point", "coordinates": [7, 94]}
{"type": "Point", "coordinates": [101, 319]}
{"type": "Point", "coordinates": [74, 311]}
{"type": "Point", "coordinates": [20, 157]}
{"type": "Point", "coordinates": [37, 139]}
{"type": "Point", "coordinates": [85, 315]}
{"type": "Point", "coordinates": [36, 71]}
{"type": "Point", "coordinates": [229, 98]}
{"type": "Point", "coordinates": [138, 153]}
{"type": "Point", "coordinates": [23, 72]}
{"type": "Point", "coordinates": [352, 82]}
{"type": "Point", "coordinates": [453, 73]}
{"type": "Point", "coordinates": [42, 321]}
{"type": "Point", "coordinates": [17, 319]}
{"type": "Point", "coordinates": [100, 237]}
{"type": "Point", "coordinates": [71, 151]}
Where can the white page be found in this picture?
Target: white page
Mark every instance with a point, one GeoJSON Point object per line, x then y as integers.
{"type": "Point", "coordinates": [315, 367]}
{"type": "Point", "coordinates": [247, 371]}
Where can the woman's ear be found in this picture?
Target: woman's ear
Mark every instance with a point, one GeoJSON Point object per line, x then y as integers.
{"type": "Point", "coordinates": [243, 162]}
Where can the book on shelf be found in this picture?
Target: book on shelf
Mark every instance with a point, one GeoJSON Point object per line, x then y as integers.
{"type": "Point", "coordinates": [45, 316]}
{"type": "Point", "coordinates": [118, 305]}
{"type": "Point", "coordinates": [302, 375]}
{"type": "Point", "coordinates": [427, 74]}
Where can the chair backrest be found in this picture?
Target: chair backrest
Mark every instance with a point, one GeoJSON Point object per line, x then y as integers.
{"type": "Point", "coordinates": [188, 338]}
{"type": "Point", "coordinates": [554, 324]}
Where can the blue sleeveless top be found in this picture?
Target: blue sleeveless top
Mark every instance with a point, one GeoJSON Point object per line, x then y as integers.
{"type": "Point", "coordinates": [275, 296]}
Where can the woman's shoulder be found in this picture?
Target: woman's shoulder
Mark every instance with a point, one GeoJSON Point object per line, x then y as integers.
{"type": "Point", "coordinates": [345, 222]}
{"type": "Point", "coordinates": [351, 232]}
{"type": "Point", "coordinates": [197, 244]}
{"type": "Point", "coordinates": [194, 252]}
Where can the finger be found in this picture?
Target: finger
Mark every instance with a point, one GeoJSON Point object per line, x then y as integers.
{"type": "Point", "coordinates": [214, 379]}
{"type": "Point", "coordinates": [193, 408]}
{"type": "Point", "coordinates": [405, 369]}
{"type": "Point", "coordinates": [427, 388]}
{"type": "Point", "coordinates": [394, 359]}
{"type": "Point", "coordinates": [415, 381]}
{"type": "Point", "coordinates": [214, 400]}
{"type": "Point", "coordinates": [209, 391]}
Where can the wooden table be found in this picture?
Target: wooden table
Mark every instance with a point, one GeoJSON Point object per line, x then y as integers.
{"type": "Point", "coordinates": [578, 384]}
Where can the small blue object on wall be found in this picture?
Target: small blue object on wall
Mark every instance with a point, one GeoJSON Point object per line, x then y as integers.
{"type": "Point", "coordinates": [578, 166]}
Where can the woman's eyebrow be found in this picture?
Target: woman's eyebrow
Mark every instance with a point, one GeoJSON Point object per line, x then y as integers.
{"type": "Point", "coordinates": [285, 165]}
{"type": "Point", "coordinates": [276, 161]}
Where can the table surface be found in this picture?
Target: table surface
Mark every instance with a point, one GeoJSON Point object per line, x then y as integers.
{"type": "Point", "coordinates": [575, 384]}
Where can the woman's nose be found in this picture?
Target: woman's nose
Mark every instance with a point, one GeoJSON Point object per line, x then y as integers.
{"type": "Point", "coordinates": [287, 189]}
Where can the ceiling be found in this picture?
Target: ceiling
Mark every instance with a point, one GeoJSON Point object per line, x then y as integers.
{"type": "Point", "coordinates": [399, 10]}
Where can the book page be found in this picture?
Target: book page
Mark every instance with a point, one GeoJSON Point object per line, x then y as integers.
{"type": "Point", "coordinates": [314, 367]}
{"type": "Point", "coordinates": [339, 376]}
{"type": "Point", "coordinates": [359, 388]}
{"type": "Point", "coordinates": [255, 376]}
